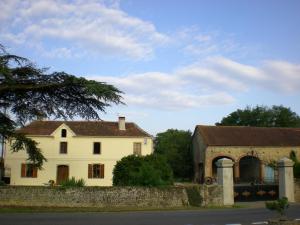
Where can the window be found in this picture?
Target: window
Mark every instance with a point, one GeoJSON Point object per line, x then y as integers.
{"type": "Point", "coordinates": [63, 133]}
{"type": "Point", "coordinates": [63, 148]}
{"type": "Point", "coordinates": [96, 171]}
{"type": "Point", "coordinates": [137, 148]}
{"type": "Point", "coordinates": [28, 170]}
{"type": "Point", "coordinates": [97, 148]}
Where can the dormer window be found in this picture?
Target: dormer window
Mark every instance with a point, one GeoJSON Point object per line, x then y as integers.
{"type": "Point", "coordinates": [63, 133]}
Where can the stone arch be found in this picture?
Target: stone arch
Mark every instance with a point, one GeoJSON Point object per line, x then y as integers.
{"type": "Point", "coordinates": [249, 169]}
{"type": "Point", "coordinates": [214, 167]}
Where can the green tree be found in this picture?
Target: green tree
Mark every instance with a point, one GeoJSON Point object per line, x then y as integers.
{"type": "Point", "coordinates": [262, 116]}
{"type": "Point", "coordinates": [296, 168]}
{"type": "Point", "coordinates": [28, 92]}
{"type": "Point", "coordinates": [175, 145]}
{"type": "Point", "coordinates": [151, 170]}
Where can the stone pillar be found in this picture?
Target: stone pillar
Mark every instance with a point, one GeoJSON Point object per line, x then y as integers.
{"type": "Point", "coordinates": [286, 179]}
{"type": "Point", "coordinates": [225, 178]}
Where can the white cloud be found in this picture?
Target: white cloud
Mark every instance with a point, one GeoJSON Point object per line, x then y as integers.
{"type": "Point", "coordinates": [206, 76]}
{"type": "Point", "coordinates": [282, 76]}
{"type": "Point", "coordinates": [99, 26]}
{"type": "Point", "coordinates": [213, 81]}
{"type": "Point", "coordinates": [170, 91]}
{"type": "Point", "coordinates": [234, 68]}
{"type": "Point", "coordinates": [197, 43]}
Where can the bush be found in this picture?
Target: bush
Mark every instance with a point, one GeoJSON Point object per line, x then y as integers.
{"type": "Point", "coordinates": [151, 170]}
{"type": "Point", "coordinates": [296, 168]}
{"type": "Point", "coordinates": [2, 183]}
{"type": "Point", "coordinates": [281, 205]}
{"type": "Point", "coordinates": [69, 183]}
{"type": "Point", "coordinates": [194, 196]}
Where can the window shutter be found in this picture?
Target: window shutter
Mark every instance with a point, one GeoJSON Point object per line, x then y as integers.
{"type": "Point", "coordinates": [23, 170]}
{"type": "Point", "coordinates": [34, 173]}
{"type": "Point", "coordinates": [101, 170]}
{"type": "Point", "coordinates": [90, 171]}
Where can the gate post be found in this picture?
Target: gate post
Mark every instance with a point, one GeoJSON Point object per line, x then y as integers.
{"type": "Point", "coordinates": [286, 179]}
{"type": "Point", "coordinates": [225, 178]}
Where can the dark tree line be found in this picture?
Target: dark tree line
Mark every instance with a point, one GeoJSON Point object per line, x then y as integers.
{"type": "Point", "coordinates": [262, 116]}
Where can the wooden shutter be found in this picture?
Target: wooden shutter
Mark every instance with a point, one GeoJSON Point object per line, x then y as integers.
{"type": "Point", "coordinates": [90, 171]}
{"type": "Point", "coordinates": [137, 148]}
{"type": "Point", "coordinates": [34, 173]}
{"type": "Point", "coordinates": [23, 170]}
{"type": "Point", "coordinates": [101, 170]}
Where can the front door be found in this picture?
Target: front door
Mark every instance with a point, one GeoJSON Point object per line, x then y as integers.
{"type": "Point", "coordinates": [62, 173]}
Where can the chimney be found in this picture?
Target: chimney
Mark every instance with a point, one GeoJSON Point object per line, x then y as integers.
{"type": "Point", "coordinates": [122, 125]}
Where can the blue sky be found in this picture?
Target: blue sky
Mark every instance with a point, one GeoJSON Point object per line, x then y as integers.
{"type": "Point", "coordinates": [180, 63]}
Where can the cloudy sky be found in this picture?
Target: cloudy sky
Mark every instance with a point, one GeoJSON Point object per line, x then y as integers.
{"type": "Point", "coordinates": [179, 63]}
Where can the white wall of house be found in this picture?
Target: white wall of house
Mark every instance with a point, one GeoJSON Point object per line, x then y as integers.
{"type": "Point", "coordinates": [79, 155]}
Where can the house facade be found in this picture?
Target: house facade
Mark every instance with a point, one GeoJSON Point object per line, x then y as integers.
{"type": "Point", "coordinates": [80, 149]}
{"type": "Point", "coordinates": [254, 151]}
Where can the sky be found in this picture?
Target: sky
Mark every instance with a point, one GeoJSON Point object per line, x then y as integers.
{"type": "Point", "coordinates": [179, 63]}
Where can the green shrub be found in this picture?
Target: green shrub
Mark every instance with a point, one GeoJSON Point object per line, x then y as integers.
{"type": "Point", "coordinates": [281, 205]}
{"type": "Point", "coordinates": [296, 168]}
{"type": "Point", "coordinates": [2, 183]}
{"type": "Point", "coordinates": [151, 170]}
{"type": "Point", "coordinates": [69, 183]}
{"type": "Point", "coordinates": [194, 196]}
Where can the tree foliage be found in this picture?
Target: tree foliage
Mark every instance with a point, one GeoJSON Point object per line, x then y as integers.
{"type": "Point", "coordinates": [175, 145]}
{"type": "Point", "coordinates": [151, 170]}
{"type": "Point", "coordinates": [280, 205]}
{"type": "Point", "coordinates": [262, 116]}
{"type": "Point", "coordinates": [28, 92]}
{"type": "Point", "coordinates": [296, 168]}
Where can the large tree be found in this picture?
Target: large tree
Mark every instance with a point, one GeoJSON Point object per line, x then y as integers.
{"type": "Point", "coordinates": [262, 116]}
{"type": "Point", "coordinates": [28, 92]}
{"type": "Point", "coordinates": [175, 145]}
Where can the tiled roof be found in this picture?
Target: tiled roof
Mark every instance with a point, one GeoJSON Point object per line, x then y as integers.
{"type": "Point", "coordinates": [249, 136]}
{"type": "Point", "coordinates": [84, 128]}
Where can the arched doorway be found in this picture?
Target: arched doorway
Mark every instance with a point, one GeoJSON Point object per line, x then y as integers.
{"type": "Point", "coordinates": [214, 166]}
{"type": "Point", "coordinates": [249, 169]}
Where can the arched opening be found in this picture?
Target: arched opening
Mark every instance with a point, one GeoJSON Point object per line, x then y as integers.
{"type": "Point", "coordinates": [249, 169]}
{"type": "Point", "coordinates": [214, 166]}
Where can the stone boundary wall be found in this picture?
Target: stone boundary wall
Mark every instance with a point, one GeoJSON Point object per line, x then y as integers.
{"type": "Point", "coordinates": [105, 197]}
{"type": "Point", "coordinates": [297, 190]}
{"type": "Point", "coordinates": [212, 195]}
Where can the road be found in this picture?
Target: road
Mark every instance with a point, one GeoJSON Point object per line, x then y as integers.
{"type": "Point", "coordinates": [200, 217]}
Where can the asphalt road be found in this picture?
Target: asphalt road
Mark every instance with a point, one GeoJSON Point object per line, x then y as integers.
{"type": "Point", "coordinates": [201, 217]}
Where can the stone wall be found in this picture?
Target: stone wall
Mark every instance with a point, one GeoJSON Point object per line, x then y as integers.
{"type": "Point", "coordinates": [212, 195]}
{"type": "Point", "coordinates": [297, 190]}
{"type": "Point", "coordinates": [104, 197]}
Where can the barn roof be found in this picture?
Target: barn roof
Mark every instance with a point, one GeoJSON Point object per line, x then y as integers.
{"type": "Point", "coordinates": [248, 136]}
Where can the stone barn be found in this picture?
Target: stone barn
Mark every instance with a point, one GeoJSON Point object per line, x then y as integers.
{"type": "Point", "coordinates": [254, 151]}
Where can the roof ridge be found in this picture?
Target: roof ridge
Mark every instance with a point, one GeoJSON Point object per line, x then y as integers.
{"type": "Point", "coordinates": [227, 126]}
{"type": "Point", "coordinates": [77, 121]}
